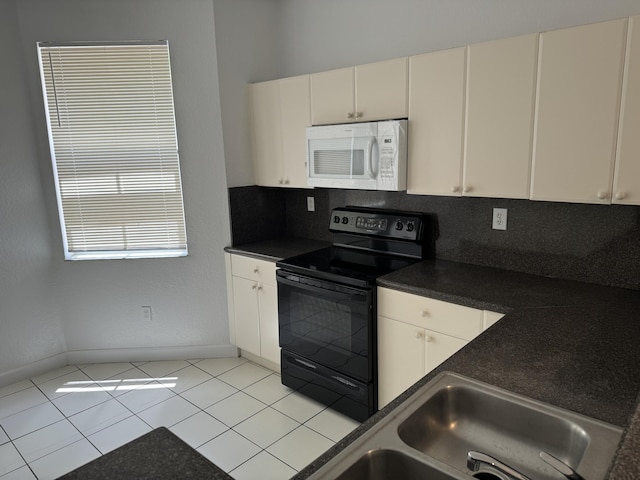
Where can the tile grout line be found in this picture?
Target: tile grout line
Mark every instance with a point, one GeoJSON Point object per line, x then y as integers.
{"type": "Point", "coordinates": [190, 363]}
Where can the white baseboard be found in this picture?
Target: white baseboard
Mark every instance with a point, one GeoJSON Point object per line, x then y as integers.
{"type": "Point", "coordinates": [33, 369]}
{"type": "Point", "coordinates": [149, 354]}
{"type": "Point", "coordinates": [260, 361]}
{"type": "Point", "coordinates": [75, 357]}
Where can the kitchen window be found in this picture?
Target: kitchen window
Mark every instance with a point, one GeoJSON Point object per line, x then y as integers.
{"type": "Point", "coordinates": [112, 136]}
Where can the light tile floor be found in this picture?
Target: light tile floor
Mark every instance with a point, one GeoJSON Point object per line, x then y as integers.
{"type": "Point", "coordinates": [234, 412]}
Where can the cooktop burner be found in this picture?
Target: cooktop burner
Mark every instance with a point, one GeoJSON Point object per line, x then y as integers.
{"type": "Point", "coordinates": [368, 243]}
{"type": "Point", "coordinates": [346, 265]}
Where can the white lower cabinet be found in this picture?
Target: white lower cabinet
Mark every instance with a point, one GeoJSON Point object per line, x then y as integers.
{"type": "Point", "coordinates": [416, 334]}
{"type": "Point", "coordinates": [254, 308]}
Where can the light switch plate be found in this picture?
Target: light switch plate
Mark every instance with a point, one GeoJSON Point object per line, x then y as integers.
{"type": "Point", "coordinates": [499, 219]}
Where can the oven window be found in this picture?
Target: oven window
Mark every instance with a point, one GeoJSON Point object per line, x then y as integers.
{"type": "Point", "coordinates": [321, 321]}
{"type": "Point", "coordinates": [335, 332]}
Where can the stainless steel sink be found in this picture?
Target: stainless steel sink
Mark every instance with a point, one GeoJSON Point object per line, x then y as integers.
{"type": "Point", "coordinates": [430, 435]}
{"type": "Point", "coordinates": [386, 464]}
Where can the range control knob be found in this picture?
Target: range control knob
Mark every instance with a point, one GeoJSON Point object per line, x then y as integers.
{"type": "Point", "coordinates": [410, 226]}
{"type": "Point", "coordinates": [345, 219]}
{"type": "Point", "coordinates": [336, 219]}
{"type": "Point", "coordinates": [399, 225]}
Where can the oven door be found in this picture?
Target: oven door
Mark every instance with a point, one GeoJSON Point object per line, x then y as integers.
{"type": "Point", "coordinates": [328, 323]}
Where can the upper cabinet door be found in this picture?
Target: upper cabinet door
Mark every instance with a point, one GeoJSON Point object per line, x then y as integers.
{"type": "Point", "coordinates": [579, 83]}
{"type": "Point", "coordinates": [501, 78]}
{"type": "Point", "coordinates": [381, 90]}
{"type": "Point", "coordinates": [626, 183]}
{"type": "Point", "coordinates": [436, 122]}
{"type": "Point", "coordinates": [267, 133]}
{"type": "Point", "coordinates": [333, 96]}
{"type": "Point", "coordinates": [375, 91]}
{"type": "Point", "coordinates": [296, 117]}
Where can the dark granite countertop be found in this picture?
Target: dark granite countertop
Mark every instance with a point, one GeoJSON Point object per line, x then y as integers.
{"type": "Point", "coordinates": [570, 344]}
{"type": "Point", "coordinates": [277, 249]}
{"type": "Point", "coordinates": [157, 455]}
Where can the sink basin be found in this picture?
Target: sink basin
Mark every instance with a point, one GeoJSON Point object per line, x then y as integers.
{"type": "Point", "coordinates": [461, 414]}
{"type": "Point", "coordinates": [390, 464]}
{"type": "Point", "coordinates": [429, 435]}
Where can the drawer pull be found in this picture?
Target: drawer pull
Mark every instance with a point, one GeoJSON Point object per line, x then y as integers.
{"type": "Point", "coordinates": [424, 313]}
{"type": "Point", "coordinates": [256, 270]}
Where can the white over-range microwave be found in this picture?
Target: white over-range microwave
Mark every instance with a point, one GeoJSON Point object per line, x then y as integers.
{"type": "Point", "coordinates": [367, 156]}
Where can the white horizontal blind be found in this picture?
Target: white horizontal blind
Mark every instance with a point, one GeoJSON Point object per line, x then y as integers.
{"type": "Point", "coordinates": [113, 143]}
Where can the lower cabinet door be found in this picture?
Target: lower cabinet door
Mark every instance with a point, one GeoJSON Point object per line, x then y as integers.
{"type": "Point", "coordinates": [401, 358]}
{"type": "Point", "coordinates": [440, 347]}
{"type": "Point", "coordinates": [268, 301]}
{"type": "Point", "coordinates": [246, 315]}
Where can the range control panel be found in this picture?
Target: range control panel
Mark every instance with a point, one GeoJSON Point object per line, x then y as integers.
{"type": "Point", "coordinates": [377, 222]}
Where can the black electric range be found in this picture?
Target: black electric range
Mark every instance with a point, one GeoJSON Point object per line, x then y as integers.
{"type": "Point", "coordinates": [327, 304]}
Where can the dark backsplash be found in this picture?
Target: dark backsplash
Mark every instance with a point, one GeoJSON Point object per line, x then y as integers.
{"type": "Point", "coordinates": [590, 243]}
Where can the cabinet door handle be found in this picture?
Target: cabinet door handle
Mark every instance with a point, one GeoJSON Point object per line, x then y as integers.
{"type": "Point", "coordinates": [418, 335]}
{"type": "Point", "coordinates": [260, 288]}
{"type": "Point", "coordinates": [466, 189]}
{"type": "Point", "coordinates": [424, 313]}
{"type": "Point", "coordinates": [358, 114]}
{"type": "Point", "coordinates": [350, 115]}
{"type": "Point", "coordinates": [602, 195]}
{"type": "Point", "coordinates": [254, 286]}
{"type": "Point", "coordinates": [620, 195]}
{"type": "Point", "coordinates": [455, 188]}
{"type": "Point", "coordinates": [286, 181]}
{"type": "Point", "coordinates": [256, 270]}
{"type": "Point", "coordinates": [428, 338]}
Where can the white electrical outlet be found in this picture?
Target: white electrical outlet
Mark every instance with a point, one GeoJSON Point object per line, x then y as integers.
{"type": "Point", "coordinates": [311, 204]}
{"type": "Point", "coordinates": [146, 314]}
{"type": "Point", "coordinates": [499, 219]}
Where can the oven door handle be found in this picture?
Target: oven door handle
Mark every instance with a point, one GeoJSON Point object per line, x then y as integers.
{"type": "Point", "coordinates": [359, 296]}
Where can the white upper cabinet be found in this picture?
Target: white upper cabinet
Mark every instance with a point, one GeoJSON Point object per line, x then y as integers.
{"type": "Point", "coordinates": [374, 91]}
{"type": "Point", "coordinates": [280, 116]}
{"type": "Point", "coordinates": [436, 122]}
{"type": "Point", "coordinates": [381, 90]}
{"type": "Point", "coordinates": [626, 181]}
{"type": "Point", "coordinates": [267, 133]}
{"type": "Point", "coordinates": [295, 111]}
{"type": "Point", "coordinates": [577, 112]}
{"type": "Point", "coordinates": [501, 78]}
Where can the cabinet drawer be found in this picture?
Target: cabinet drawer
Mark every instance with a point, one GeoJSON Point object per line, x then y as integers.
{"type": "Point", "coordinates": [253, 269]}
{"type": "Point", "coordinates": [431, 314]}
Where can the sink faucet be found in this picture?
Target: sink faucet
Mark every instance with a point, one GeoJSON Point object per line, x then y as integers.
{"type": "Point", "coordinates": [560, 466]}
{"type": "Point", "coordinates": [476, 459]}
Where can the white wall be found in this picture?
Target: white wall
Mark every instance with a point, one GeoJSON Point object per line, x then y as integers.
{"type": "Point", "coordinates": [30, 326]}
{"type": "Point", "coordinates": [99, 301]}
{"type": "Point", "coordinates": [246, 40]}
{"type": "Point", "coordinates": [318, 35]}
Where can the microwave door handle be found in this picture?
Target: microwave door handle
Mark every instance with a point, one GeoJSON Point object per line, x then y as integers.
{"type": "Point", "coordinates": [373, 152]}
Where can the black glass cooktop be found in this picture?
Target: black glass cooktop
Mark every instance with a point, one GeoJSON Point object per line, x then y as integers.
{"type": "Point", "coordinates": [345, 265]}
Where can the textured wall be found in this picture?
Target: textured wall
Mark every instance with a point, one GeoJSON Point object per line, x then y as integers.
{"type": "Point", "coordinates": [246, 42]}
{"type": "Point", "coordinates": [100, 300]}
{"type": "Point", "coordinates": [317, 36]}
{"type": "Point", "coordinates": [30, 326]}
